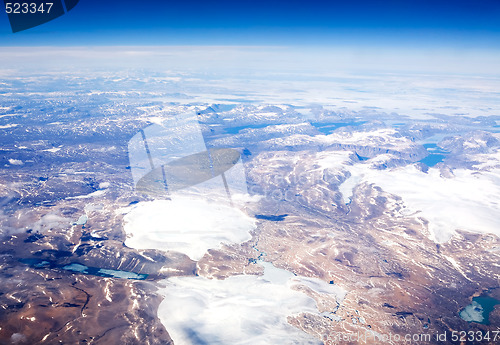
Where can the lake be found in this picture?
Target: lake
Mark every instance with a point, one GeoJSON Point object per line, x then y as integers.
{"type": "Point", "coordinates": [479, 310]}
{"type": "Point", "coordinates": [79, 268]}
{"type": "Point", "coordinates": [237, 129]}
{"type": "Point", "coordinates": [327, 128]}
{"type": "Point", "coordinates": [436, 155]}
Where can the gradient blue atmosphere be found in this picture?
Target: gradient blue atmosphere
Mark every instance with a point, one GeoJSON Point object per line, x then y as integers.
{"type": "Point", "coordinates": [408, 23]}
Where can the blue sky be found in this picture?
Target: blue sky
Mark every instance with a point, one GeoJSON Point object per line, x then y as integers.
{"type": "Point", "coordinates": [474, 23]}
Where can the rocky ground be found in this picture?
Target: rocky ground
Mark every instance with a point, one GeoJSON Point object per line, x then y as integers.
{"type": "Point", "coordinates": [398, 280]}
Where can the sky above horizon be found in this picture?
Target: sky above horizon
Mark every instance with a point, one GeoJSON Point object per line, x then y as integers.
{"type": "Point", "coordinates": [409, 23]}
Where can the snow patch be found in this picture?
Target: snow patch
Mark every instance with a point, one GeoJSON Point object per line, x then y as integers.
{"type": "Point", "coordinates": [185, 224]}
{"type": "Point", "coordinates": [239, 310]}
{"type": "Point", "coordinates": [11, 125]}
{"type": "Point", "coordinates": [15, 161]}
{"type": "Point", "coordinates": [467, 201]}
{"type": "Point", "coordinates": [53, 150]}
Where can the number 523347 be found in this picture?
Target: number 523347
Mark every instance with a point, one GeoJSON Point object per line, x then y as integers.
{"type": "Point", "coordinates": [26, 7]}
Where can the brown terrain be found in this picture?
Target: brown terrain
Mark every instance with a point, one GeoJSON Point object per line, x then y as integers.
{"type": "Point", "coordinates": [398, 280]}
